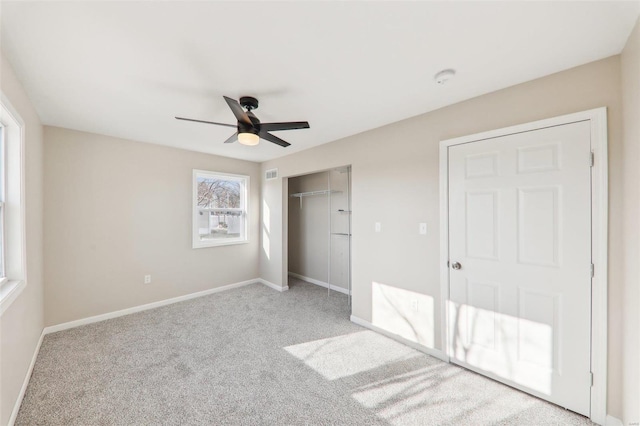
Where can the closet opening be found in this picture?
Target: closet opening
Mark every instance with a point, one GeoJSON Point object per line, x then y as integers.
{"type": "Point", "coordinates": [319, 229]}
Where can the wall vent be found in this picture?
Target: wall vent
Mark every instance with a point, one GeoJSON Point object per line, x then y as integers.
{"type": "Point", "coordinates": [271, 174]}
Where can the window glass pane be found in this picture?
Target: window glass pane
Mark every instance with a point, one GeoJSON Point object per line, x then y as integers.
{"type": "Point", "coordinates": [213, 225]}
{"type": "Point", "coordinates": [218, 193]}
{"type": "Point", "coordinates": [2, 274]}
{"type": "Point", "coordinates": [3, 166]}
{"type": "Point", "coordinates": [2, 192]}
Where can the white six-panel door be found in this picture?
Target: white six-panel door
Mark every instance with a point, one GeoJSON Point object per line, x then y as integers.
{"type": "Point", "coordinates": [520, 232]}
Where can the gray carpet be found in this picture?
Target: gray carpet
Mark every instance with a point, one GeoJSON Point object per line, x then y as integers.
{"type": "Point", "coordinates": [254, 356]}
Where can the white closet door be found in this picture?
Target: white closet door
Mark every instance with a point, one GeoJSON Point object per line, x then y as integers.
{"type": "Point", "coordinates": [520, 229]}
{"type": "Point", "coordinates": [340, 229]}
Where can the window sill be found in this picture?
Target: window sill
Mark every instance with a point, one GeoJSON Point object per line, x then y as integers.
{"type": "Point", "coordinates": [200, 244]}
{"type": "Point", "coordinates": [9, 292]}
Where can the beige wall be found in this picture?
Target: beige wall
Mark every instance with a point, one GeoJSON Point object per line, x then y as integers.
{"type": "Point", "coordinates": [117, 210]}
{"type": "Point", "coordinates": [393, 167]}
{"type": "Point", "coordinates": [630, 67]}
{"type": "Point", "coordinates": [22, 323]}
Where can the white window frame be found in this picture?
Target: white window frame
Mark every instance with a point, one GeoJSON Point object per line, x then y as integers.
{"type": "Point", "coordinates": [13, 279]}
{"type": "Point", "coordinates": [3, 179]}
{"type": "Point", "coordinates": [244, 209]}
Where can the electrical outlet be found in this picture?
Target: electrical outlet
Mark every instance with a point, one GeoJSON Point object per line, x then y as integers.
{"type": "Point", "coordinates": [378, 226]}
{"type": "Point", "coordinates": [147, 279]}
{"type": "Point", "coordinates": [414, 305]}
{"type": "Point", "coordinates": [423, 229]}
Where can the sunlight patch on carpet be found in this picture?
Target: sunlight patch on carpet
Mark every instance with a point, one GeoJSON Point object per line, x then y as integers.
{"type": "Point", "coordinates": [342, 356]}
{"type": "Point", "coordinates": [456, 396]}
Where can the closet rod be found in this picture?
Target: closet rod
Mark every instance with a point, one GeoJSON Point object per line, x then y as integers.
{"type": "Point", "coordinates": [301, 195]}
{"type": "Point", "coordinates": [309, 193]}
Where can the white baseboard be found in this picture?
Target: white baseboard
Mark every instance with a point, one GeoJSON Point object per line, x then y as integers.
{"type": "Point", "coordinates": [25, 383]}
{"type": "Point", "coordinates": [272, 285]}
{"type": "Point", "coordinates": [436, 353]}
{"type": "Point", "coordinates": [132, 310]}
{"type": "Point", "coordinates": [320, 283]}
{"type": "Point", "coordinates": [613, 421]}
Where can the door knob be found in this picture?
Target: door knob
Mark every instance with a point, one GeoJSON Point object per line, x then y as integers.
{"type": "Point", "coordinates": [456, 265]}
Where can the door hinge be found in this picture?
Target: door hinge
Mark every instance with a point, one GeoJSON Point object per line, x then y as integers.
{"type": "Point", "coordinates": [593, 270]}
{"type": "Point", "coordinates": [592, 159]}
{"type": "Point", "coordinates": [591, 377]}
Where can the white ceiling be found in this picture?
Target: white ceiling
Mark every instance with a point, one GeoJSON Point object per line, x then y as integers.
{"type": "Point", "coordinates": [126, 69]}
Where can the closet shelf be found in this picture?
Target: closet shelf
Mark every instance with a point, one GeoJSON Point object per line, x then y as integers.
{"type": "Point", "coordinates": [310, 193]}
{"type": "Point", "coordinates": [301, 195]}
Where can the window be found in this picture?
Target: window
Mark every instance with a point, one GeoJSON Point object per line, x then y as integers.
{"type": "Point", "coordinates": [12, 236]}
{"type": "Point", "coordinates": [3, 170]}
{"type": "Point", "coordinates": [219, 209]}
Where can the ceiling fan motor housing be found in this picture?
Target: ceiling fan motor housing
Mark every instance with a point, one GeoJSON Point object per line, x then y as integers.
{"type": "Point", "coordinates": [249, 103]}
{"type": "Point", "coordinates": [244, 128]}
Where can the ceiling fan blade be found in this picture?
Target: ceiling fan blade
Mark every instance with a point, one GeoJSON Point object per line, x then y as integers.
{"type": "Point", "coordinates": [269, 137]}
{"type": "Point", "coordinates": [207, 122]}
{"type": "Point", "coordinates": [270, 127]}
{"type": "Point", "coordinates": [237, 110]}
{"type": "Point", "coordinates": [232, 138]}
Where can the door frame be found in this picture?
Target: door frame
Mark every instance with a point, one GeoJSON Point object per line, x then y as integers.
{"type": "Point", "coordinates": [599, 239]}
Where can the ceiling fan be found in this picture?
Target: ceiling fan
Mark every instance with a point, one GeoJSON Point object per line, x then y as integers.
{"type": "Point", "coordinates": [249, 129]}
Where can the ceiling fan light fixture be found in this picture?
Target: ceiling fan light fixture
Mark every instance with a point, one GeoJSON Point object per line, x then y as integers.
{"type": "Point", "coordinates": [250, 139]}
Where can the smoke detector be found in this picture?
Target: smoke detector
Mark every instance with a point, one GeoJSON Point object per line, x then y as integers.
{"type": "Point", "coordinates": [445, 75]}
